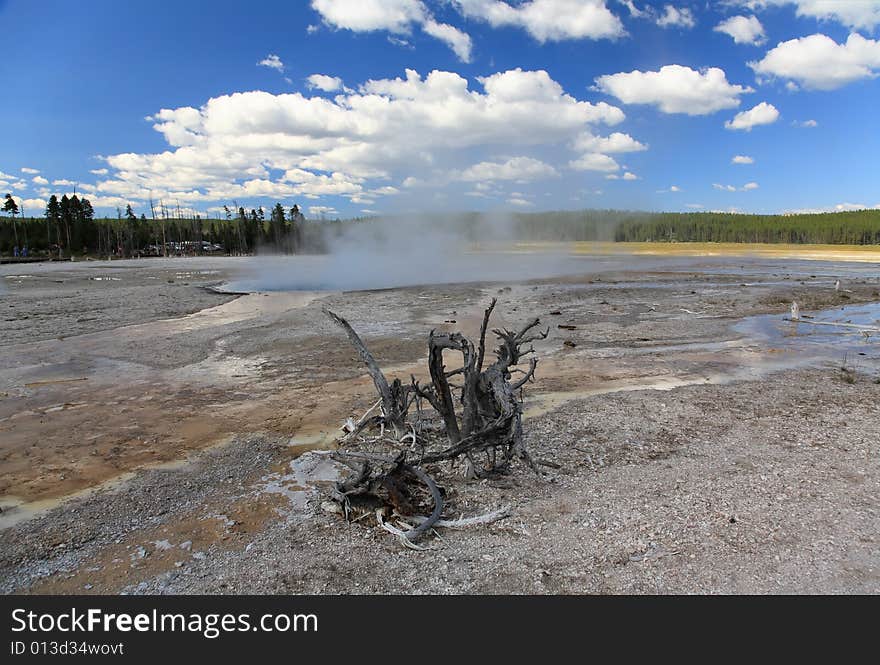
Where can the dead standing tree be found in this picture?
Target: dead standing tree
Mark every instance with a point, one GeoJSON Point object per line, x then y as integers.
{"type": "Point", "coordinates": [481, 417]}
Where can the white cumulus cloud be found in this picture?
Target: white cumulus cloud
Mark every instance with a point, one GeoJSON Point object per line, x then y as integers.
{"type": "Point", "coordinates": [516, 168]}
{"type": "Point", "coordinates": [548, 20]}
{"type": "Point", "coordinates": [742, 159]}
{"type": "Point", "coordinates": [594, 162]}
{"type": "Point", "coordinates": [675, 89]}
{"type": "Point", "coordinates": [680, 17]}
{"type": "Point", "coordinates": [30, 207]}
{"type": "Point", "coordinates": [272, 61]}
{"type": "Point", "coordinates": [617, 142]}
{"type": "Point", "coordinates": [743, 29]}
{"type": "Point", "coordinates": [370, 15]}
{"type": "Point", "coordinates": [324, 82]}
{"type": "Point", "coordinates": [458, 41]}
{"type": "Point", "coordinates": [818, 62]}
{"type": "Point", "coordinates": [29, 171]}
{"type": "Point", "coordinates": [319, 211]}
{"type": "Point", "coordinates": [363, 144]}
{"type": "Point", "coordinates": [395, 16]}
{"type": "Point", "coordinates": [762, 114]}
{"type": "Point", "coordinates": [861, 14]}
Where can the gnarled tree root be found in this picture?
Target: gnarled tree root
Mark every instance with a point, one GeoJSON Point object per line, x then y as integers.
{"type": "Point", "coordinates": [358, 483]}
{"type": "Point", "coordinates": [480, 414]}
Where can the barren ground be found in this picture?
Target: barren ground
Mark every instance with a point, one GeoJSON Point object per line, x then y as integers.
{"type": "Point", "coordinates": [150, 434]}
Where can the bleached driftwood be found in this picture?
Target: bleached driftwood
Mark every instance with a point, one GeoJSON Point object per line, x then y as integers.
{"type": "Point", "coordinates": [465, 522]}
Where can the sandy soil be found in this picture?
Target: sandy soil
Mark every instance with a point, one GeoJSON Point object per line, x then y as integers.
{"type": "Point", "coordinates": [152, 434]}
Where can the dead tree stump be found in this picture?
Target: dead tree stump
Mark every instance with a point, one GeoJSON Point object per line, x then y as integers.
{"type": "Point", "coordinates": [480, 420]}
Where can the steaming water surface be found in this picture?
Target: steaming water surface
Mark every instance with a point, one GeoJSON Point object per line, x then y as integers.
{"type": "Point", "coordinates": [359, 272]}
{"type": "Point", "coordinates": [368, 269]}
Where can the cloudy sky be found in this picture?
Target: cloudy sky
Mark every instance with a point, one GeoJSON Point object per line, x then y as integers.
{"type": "Point", "coordinates": [351, 107]}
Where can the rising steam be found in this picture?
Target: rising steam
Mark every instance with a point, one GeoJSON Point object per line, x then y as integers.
{"type": "Point", "coordinates": [407, 251]}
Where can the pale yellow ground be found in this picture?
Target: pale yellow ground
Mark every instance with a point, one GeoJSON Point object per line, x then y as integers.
{"type": "Point", "coordinates": [861, 253]}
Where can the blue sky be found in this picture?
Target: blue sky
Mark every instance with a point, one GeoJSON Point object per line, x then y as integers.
{"type": "Point", "coordinates": [352, 107]}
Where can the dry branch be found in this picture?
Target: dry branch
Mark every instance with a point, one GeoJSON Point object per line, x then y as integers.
{"type": "Point", "coordinates": [465, 522]}
{"type": "Point", "coordinates": [394, 397]}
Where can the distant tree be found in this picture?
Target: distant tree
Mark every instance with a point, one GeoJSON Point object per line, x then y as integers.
{"type": "Point", "coordinates": [89, 231]}
{"type": "Point", "coordinates": [11, 207]}
{"type": "Point", "coordinates": [53, 210]}
{"type": "Point", "coordinates": [296, 229]}
{"type": "Point", "coordinates": [53, 219]}
{"type": "Point", "coordinates": [278, 213]}
{"type": "Point", "coordinates": [250, 226]}
{"type": "Point", "coordinates": [129, 213]}
{"type": "Point", "coordinates": [277, 221]}
{"type": "Point", "coordinates": [66, 218]}
{"type": "Point", "coordinates": [88, 212]}
{"type": "Point", "coordinates": [241, 226]}
{"type": "Point", "coordinates": [77, 230]}
{"type": "Point", "coordinates": [295, 213]}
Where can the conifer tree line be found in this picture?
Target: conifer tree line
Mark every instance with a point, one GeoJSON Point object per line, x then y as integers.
{"type": "Point", "coordinates": [860, 227]}
{"type": "Point", "coordinates": [69, 227]}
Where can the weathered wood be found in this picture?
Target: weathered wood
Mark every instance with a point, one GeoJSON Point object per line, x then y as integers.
{"type": "Point", "coordinates": [483, 328]}
{"type": "Point", "coordinates": [364, 478]}
{"type": "Point", "coordinates": [465, 522]}
{"type": "Point", "coordinates": [437, 343]}
{"type": "Point", "coordinates": [393, 396]}
{"type": "Point", "coordinates": [482, 415]}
